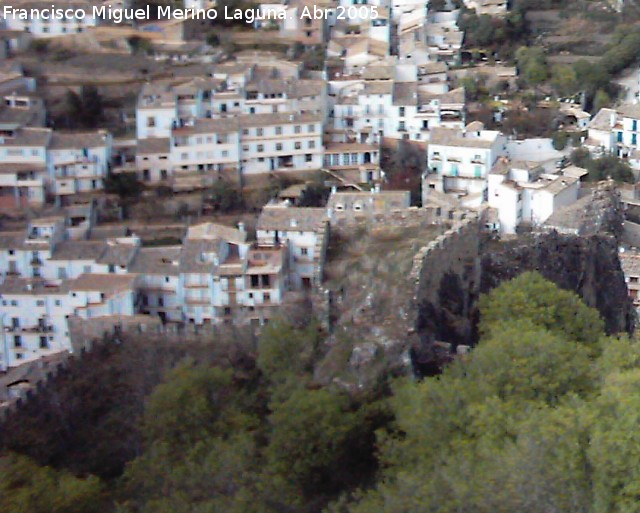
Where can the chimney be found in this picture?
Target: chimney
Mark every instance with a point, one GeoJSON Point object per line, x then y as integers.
{"type": "Point", "coordinates": [613, 119]}
{"type": "Point", "coordinates": [294, 223]}
{"type": "Point", "coordinates": [241, 226]}
{"type": "Point", "coordinates": [334, 189]}
{"type": "Point", "coordinates": [376, 188]}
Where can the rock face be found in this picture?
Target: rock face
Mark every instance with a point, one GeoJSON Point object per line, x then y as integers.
{"type": "Point", "coordinates": [469, 264]}
{"type": "Point", "coordinates": [588, 266]}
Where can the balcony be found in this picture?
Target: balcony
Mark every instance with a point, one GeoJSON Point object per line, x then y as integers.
{"type": "Point", "coordinates": [39, 328]}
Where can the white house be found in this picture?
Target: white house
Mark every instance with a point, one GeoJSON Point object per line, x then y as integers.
{"type": "Point", "coordinates": [460, 160]}
{"type": "Point", "coordinates": [34, 313]}
{"type": "Point", "coordinates": [522, 192]}
{"type": "Point", "coordinates": [305, 231]}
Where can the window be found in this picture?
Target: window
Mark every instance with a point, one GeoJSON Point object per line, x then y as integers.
{"type": "Point", "coordinates": [401, 111]}
{"type": "Point", "coordinates": [17, 341]}
{"type": "Point", "coordinates": [267, 297]}
{"type": "Point", "coordinates": [278, 147]}
{"type": "Point", "coordinates": [44, 343]}
{"type": "Point", "coordinates": [86, 269]}
{"type": "Point", "coordinates": [297, 145]}
{"type": "Point", "coordinates": [245, 131]}
{"type": "Point", "coordinates": [311, 128]}
{"type": "Point", "coordinates": [166, 279]}
{"type": "Point", "coordinates": [151, 122]}
{"type": "Point", "coordinates": [296, 129]}
{"type": "Point", "coordinates": [160, 301]}
{"type": "Point", "coordinates": [278, 130]}
{"type": "Point", "coordinates": [311, 144]}
{"type": "Point", "coordinates": [40, 302]}
{"type": "Point", "coordinates": [259, 132]}
{"type": "Point", "coordinates": [14, 302]}
{"type": "Point", "coordinates": [58, 302]}
{"type": "Point", "coordinates": [304, 251]}
{"type": "Point", "coordinates": [308, 157]}
{"type": "Point", "coordinates": [260, 148]}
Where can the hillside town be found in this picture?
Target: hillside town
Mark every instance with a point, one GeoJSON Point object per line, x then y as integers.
{"type": "Point", "coordinates": [389, 98]}
{"type": "Point", "coordinates": [319, 256]}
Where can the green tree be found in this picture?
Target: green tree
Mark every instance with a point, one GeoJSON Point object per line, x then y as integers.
{"type": "Point", "coordinates": [530, 297]}
{"type": "Point", "coordinates": [580, 157]}
{"type": "Point", "coordinates": [224, 197]}
{"type": "Point", "coordinates": [195, 403]}
{"type": "Point", "coordinates": [312, 432]}
{"type": "Point", "coordinates": [125, 185]}
{"type": "Point", "coordinates": [523, 361]}
{"type": "Point", "coordinates": [28, 488]}
{"type": "Point", "coordinates": [85, 110]}
{"type": "Point", "coordinates": [564, 80]}
{"type": "Point", "coordinates": [610, 166]}
{"type": "Point", "coordinates": [285, 352]}
{"type": "Point", "coordinates": [615, 444]}
{"type": "Point", "coordinates": [601, 100]}
{"type": "Point", "coordinates": [532, 65]}
{"type": "Point", "coordinates": [559, 140]}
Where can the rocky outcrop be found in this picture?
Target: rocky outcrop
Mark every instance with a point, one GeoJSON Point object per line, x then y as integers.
{"type": "Point", "coordinates": [588, 266]}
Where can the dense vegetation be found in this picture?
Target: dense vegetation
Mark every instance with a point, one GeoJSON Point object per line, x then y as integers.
{"type": "Point", "coordinates": [541, 416]}
{"type": "Point", "coordinates": [602, 168]}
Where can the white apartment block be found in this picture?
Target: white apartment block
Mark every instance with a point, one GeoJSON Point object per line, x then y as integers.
{"type": "Point", "coordinates": [152, 159]}
{"type": "Point", "coordinates": [248, 144]}
{"type": "Point", "coordinates": [354, 162]}
{"type": "Point", "coordinates": [242, 121]}
{"type": "Point", "coordinates": [616, 131]}
{"type": "Point", "coordinates": [522, 192]}
{"type": "Point", "coordinates": [34, 313]}
{"type": "Point", "coordinates": [231, 91]}
{"type": "Point", "coordinates": [223, 278]}
{"type": "Point", "coordinates": [460, 160]}
{"type": "Point", "coordinates": [41, 161]}
{"type": "Point", "coordinates": [214, 276]}
{"type": "Point", "coordinates": [368, 110]}
{"type": "Point", "coordinates": [305, 231]}
{"type": "Point", "coordinates": [79, 162]}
